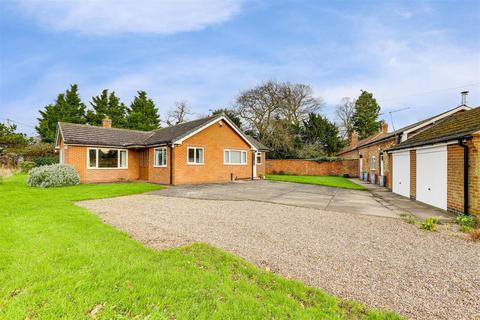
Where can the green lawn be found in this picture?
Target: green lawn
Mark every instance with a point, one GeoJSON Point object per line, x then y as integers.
{"type": "Point", "coordinates": [58, 260]}
{"type": "Point", "coordinates": [329, 181]}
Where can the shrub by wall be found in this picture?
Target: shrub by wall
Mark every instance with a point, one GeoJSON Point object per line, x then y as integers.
{"type": "Point", "coordinates": [26, 166]}
{"type": "Point", "coordinates": [54, 175]}
{"type": "Point", "coordinates": [44, 160]}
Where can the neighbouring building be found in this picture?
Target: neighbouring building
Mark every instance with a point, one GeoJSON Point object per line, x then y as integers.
{"type": "Point", "coordinates": [206, 150]}
{"type": "Point", "coordinates": [374, 162]}
{"type": "Point", "coordinates": [440, 165]}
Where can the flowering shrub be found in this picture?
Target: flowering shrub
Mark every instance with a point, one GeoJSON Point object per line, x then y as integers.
{"type": "Point", "coordinates": [54, 175]}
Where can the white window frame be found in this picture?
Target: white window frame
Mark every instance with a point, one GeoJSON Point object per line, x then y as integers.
{"type": "Point", "coordinates": [161, 149]}
{"type": "Point", "coordinates": [195, 163]}
{"type": "Point", "coordinates": [96, 159]}
{"type": "Point", "coordinates": [235, 164]}
{"type": "Point", "coordinates": [258, 154]}
{"type": "Point", "coordinates": [373, 163]}
{"type": "Point", "coordinates": [62, 156]}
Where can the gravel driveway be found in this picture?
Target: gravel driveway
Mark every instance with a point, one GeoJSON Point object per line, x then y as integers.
{"type": "Point", "coordinates": [382, 262]}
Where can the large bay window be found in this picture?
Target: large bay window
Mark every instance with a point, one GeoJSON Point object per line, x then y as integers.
{"type": "Point", "coordinates": [235, 157]}
{"type": "Point", "coordinates": [194, 155]}
{"type": "Point", "coordinates": [160, 159]}
{"type": "Point", "coordinates": [104, 158]}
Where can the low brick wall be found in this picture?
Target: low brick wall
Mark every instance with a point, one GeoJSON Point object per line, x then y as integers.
{"type": "Point", "coordinates": [314, 168]}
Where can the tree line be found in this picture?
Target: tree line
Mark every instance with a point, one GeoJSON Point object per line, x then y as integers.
{"type": "Point", "coordinates": [284, 116]}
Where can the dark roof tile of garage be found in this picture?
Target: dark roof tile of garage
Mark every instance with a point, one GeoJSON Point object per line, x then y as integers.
{"type": "Point", "coordinates": [457, 126]}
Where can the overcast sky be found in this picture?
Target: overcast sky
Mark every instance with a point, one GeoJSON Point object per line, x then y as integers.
{"type": "Point", "coordinates": [417, 54]}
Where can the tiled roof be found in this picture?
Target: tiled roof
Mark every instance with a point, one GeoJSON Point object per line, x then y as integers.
{"type": "Point", "coordinates": [390, 135]}
{"type": "Point", "coordinates": [73, 133]}
{"type": "Point", "coordinates": [260, 146]}
{"type": "Point", "coordinates": [457, 126]}
{"type": "Point", "coordinates": [113, 137]}
{"type": "Point", "coordinates": [168, 134]}
{"type": "Point", "coordinates": [362, 142]}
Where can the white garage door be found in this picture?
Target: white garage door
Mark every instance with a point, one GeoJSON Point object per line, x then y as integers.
{"type": "Point", "coordinates": [401, 173]}
{"type": "Point", "coordinates": [432, 176]}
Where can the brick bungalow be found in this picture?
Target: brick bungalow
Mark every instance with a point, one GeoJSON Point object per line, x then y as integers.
{"type": "Point", "coordinates": [374, 163]}
{"type": "Point", "coordinates": [206, 150]}
{"type": "Point", "coordinates": [440, 165]}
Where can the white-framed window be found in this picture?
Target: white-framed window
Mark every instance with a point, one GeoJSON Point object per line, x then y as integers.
{"type": "Point", "coordinates": [258, 158]}
{"type": "Point", "coordinates": [373, 163]}
{"type": "Point", "coordinates": [106, 158]}
{"type": "Point", "coordinates": [160, 157]}
{"type": "Point", "coordinates": [62, 156]}
{"type": "Point", "coordinates": [231, 156]}
{"type": "Point", "coordinates": [195, 155]}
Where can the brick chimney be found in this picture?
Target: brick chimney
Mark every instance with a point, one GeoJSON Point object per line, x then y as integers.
{"type": "Point", "coordinates": [354, 139]}
{"type": "Point", "coordinates": [107, 122]}
{"type": "Point", "coordinates": [384, 127]}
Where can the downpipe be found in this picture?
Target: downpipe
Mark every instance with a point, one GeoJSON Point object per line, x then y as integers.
{"type": "Point", "coordinates": [463, 144]}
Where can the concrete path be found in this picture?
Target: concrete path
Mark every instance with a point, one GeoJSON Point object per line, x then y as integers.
{"type": "Point", "coordinates": [403, 204]}
{"type": "Point", "coordinates": [294, 194]}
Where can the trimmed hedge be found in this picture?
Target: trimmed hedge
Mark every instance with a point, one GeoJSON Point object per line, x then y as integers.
{"type": "Point", "coordinates": [55, 175]}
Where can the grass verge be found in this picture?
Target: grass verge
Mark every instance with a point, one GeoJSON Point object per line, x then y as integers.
{"type": "Point", "coordinates": [329, 181]}
{"type": "Point", "coordinates": [58, 260]}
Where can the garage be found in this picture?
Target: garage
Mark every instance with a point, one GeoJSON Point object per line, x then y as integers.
{"type": "Point", "coordinates": [432, 176]}
{"type": "Point", "coordinates": [401, 173]}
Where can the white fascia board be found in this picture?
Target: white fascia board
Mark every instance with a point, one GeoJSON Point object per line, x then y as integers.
{"type": "Point", "coordinates": [222, 118]}
{"type": "Point", "coordinates": [59, 131]}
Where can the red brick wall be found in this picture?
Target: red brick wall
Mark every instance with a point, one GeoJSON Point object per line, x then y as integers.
{"type": "Point", "coordinates": [375, 150]}
{"type": "Point", "coordinates": [214, 140]}
{"type": "Point", "coordinates": [158, 174]}
{"type": "Point", "coordinates": [262, 168]}
{"type": "Point", "coordinates": [455, 177]}
{"type": "Point", "coordinates": [413, 174]}
{"type": "Point", "coordinates": [309, 167]}
{"type": "Point", "coordinates": [77, 157]}
{"type": "Point", "coordinates": [353, 154]}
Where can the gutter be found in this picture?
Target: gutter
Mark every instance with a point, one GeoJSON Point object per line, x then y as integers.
{"type": "Point", "coordinates": [430, 142]}
{"type": "Point", "coordinates": [462, 143]}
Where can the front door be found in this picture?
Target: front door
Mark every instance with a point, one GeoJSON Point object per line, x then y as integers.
{"type": "Point", "coordinates": [143, 164]}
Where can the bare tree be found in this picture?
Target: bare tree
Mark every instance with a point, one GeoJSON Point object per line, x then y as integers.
{"type": "Point", "coordinates": [258, 106]}
{"type": "Point", "coordinates": [297, 102]}
{"type": "Point", "coordinates": [272, 100]}
{"type": "Point", "coordinates": [178, 114]}
{"type": "Point", "coordinates": [344, 112]}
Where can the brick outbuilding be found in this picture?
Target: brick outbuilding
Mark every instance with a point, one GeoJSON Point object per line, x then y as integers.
{"type": "Point", "coordinates": [440, 165]}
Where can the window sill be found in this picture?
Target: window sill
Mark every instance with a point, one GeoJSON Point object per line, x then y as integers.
{"type": "Point", "coordinates": [195, 164]}
{"type": "Point", "coordinates": [235, 164]}
{"type": "Point", "coordinates": [88, 168]}
{"type": "Point", "coordinates": [160, 166]}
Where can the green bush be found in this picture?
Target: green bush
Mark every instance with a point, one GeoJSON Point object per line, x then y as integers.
{"type": "Point", "coordinates": [429, 224]}
{"type": "Point", "coordinates": [465, 222]}
{"type": "Point", "coordinates": [329, 159]}
{"type": "Point", "coordinates": [54, 175]}
{"type": "Point", "coordinates": [43, 161]}
{"type": "Point", "coordinates": [39, 150]}
{"type": "Point", "coordinates": [407, 217]}
{"type": "Point", "coordinates": [26, 166]}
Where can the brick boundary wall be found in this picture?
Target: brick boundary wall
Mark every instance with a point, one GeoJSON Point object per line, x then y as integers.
{"type": "Point", "coordinates": [413, 174]}
{"type": "Point", "coordinates": [314, 168]}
